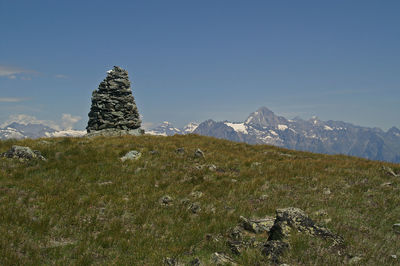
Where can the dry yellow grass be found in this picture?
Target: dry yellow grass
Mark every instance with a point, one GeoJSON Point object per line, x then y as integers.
{"type": "Point", "coordinates": [84, 206]}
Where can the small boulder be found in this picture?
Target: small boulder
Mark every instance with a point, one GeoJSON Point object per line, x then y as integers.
{"type": "Point", "coordinates": [166, 200]}
{"type": "Point", "coordinates": [131, 155]}
{"type": "Point", "coordinates": [23, 153]}
{"type": "Point", "coordinates": [221, 259]}
{"type": "Point", "coordinates": [355, 260]}
{"type": "Point", "coordinates": [273, 249]}
{"type": "Point", "coordinates": [257, 226]}
{"type": "Point", "coordinates": [294, 218]}
{"type": "Point", "coordinates": [195, 262]}
{"type": "Point", "coordinates": [195, 207]}
{"type": "Point", "coordinates": [180, 150]}
{"type": "Point", "coordinates": [170, 261]}
{"type": "Point", "coordinates": [196, 194]}
{"type": "Point", "coordinates": [396, 228]}
{"type": "Point", "coordinates": [199, 153]}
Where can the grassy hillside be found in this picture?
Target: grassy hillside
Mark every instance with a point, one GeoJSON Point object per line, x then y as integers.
{"type": "Point", "coordinates": [84, 206]}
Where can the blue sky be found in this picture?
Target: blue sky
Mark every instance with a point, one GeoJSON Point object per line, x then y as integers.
{"type": "Point", "coordinates": [195, 60]}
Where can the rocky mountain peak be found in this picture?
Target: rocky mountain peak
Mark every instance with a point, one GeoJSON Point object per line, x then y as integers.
{"type": "Point", "coordinates": [264, 117]}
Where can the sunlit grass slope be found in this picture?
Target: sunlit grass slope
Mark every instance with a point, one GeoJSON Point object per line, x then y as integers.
{"type": "Point", "coordinates": [84, 206]}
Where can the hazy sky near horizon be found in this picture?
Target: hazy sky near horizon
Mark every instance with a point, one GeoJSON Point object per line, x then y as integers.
{"type": "Point", "coordinates": [195, 60]}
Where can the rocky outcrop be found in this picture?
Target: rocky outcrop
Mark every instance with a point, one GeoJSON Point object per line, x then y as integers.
{"type": "Point", "coordinates": [114, 111]}
{"type": "Point", "coordinates": [23, 153]}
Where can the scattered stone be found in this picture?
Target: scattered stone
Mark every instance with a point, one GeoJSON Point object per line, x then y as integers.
{"type": "Point", "coordinates": [154, 152]}
{"type": "Point", "coordinates": [396, 228]}
{"type": "Point", "coordinates": [221, 259]}
{"type": "Point", "coordinates": [196, 194]}
{"type": "Point", "coordinates": [212, 167]}
{"type": "Point", "coordinates": [355, 260]}
{"type": "Point", "coordinates": [233, 180]}
{"type": "Point", "coordinates": [390, 171]}
{"type": "Point", "coordinates": [180, 150]}
{"type": "Point", "coordinates": [114, 111]}
{"type": "Point", "coordinates": [327, 191]}
{"type": "Point", "coordinates": [236, 247]}
{"type": "Point", "coordinates": [185, 201]}
{"type": "Point", "coordinates": [294, 218]}
{"type": "Point", "coordinates": [166, 200]}
{"type": "Point", "coordinates": [257, 226]}
{"type": "Point", "coordinates": [255, 164]}
{"type": "Point", "coordinates": [387, 184]}
{"type": "Point", "coordinates": [195, 207]}
{"type": "Point", "coordinates": [321, 213]}
{"type": "Point", "coordinates": [236, 233]}
{"type": "Point", "coordinates": [393, 256]}
{"type": "Point", "coordinates": [131, 155]}
{"type": "Point", "coordinates": [195, 262]}
{"type": "Point", "coordinates": [199, 153]}
{"type": "Point", "coordinates": [22, 153]}
{"type": "Point", "coordinates": [273, 249]}
{"type": "Point", "coordinates": [170, 261]}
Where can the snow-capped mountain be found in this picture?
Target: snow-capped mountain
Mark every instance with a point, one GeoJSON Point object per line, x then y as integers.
{"type": "Point", "coordinates": [167, 129]}
{"type": "Point", "coordinates": [164, 129]}
{"type": "Point", "coordinates": [21, 131]}
{"type": "Point", "coordinates": [332, 137]}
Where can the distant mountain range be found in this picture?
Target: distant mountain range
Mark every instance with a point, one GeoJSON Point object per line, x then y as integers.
{"type": "Point", "coordinates": [330, 137]}
{"type": "Point", "coordinates": [22, 131]}
{"type": "Point", "coordinates": [264, 127]}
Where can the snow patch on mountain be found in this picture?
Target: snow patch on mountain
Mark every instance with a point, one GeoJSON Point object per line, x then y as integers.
{"type": "Point", "coordinates": [189, 128]}
{"type": "Point", "coordinates": [282, 127]}
{"type": "Point", "coordinates": [238, 127]}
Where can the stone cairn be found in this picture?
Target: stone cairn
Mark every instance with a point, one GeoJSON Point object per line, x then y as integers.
{"type": "Point", "coordinates": [113, 111]}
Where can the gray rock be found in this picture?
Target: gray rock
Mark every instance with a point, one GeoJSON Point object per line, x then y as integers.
{"type": "Point", "coordinates": [195, 207]}
{"type": "Point", "coordinates": [196, 194]}
{"type": "Point", "coordinates": [180, 150]}
{"type": "Point", "coordinates": [170, 261]}
{"type": "Point", "coordinates": [274, 249]}
{"type": "Point", "coordinates": [355, 260]}
{"type": "Point", "coordinates": [199, 153]}
{"type": "Point", "coordinates": [166, 200]}
{"type": "Point", "coordinates": [131, 155]}
{"type": "Point", "coordinates": [23, 153]}
{"type": "Point", "coordinates": [390, 171]}
{"type": "Point", "coordinates": [294, 218]}
{"type": "Point", "coordinates": [221, 259]}
{"type": "Point", "coordinates": [212, 167]}
{"type": "Point", "coordinates": [396, 228]}
{"type": "Point", "coordinates": [195, 262]}
{"type": "Point", "coordinates": [257, 226]}
{"type": "Point", "coordinates": [113, 107]}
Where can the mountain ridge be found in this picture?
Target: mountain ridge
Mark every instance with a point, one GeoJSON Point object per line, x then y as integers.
{"type": "Point", "coordinates": [329, 137]}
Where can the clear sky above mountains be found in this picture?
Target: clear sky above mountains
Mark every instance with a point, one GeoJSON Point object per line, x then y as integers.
{"type": "Point", "coordinates": [194, 60]}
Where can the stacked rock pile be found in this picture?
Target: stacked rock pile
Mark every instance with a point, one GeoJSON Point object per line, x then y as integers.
{"type": "Point", "coordinates": [113, 110]}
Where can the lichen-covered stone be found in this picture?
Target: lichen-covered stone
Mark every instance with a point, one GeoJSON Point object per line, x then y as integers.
{"type": "Point", "coordinates": [294, 218]}
{"type": "Point", "coordinates": [22, 153]}
{"type": "Point", "coordinates": [131, 155]}
{"type": "Point", "coordinates": [257, 226]}
{"type": "Point", "coordinates": [113, 105]}
{"type": "Point", "coordinates": [273, 249]}
{"type": "Point", "coordinates": [221, 259]}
